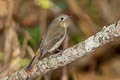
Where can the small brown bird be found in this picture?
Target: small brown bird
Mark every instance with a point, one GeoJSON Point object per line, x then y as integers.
{"type": "Point", "coordinates": [52, 39]}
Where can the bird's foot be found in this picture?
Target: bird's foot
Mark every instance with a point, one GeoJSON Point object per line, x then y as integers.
{"type": "Point", "coordinates": [59, 50]}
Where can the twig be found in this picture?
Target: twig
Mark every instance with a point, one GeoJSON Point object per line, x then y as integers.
{"type": "Point", "coordinates": [107, 34]}
{"type": "Point", "coordinates": [64, 70]}
{"type": "Point", "coordinates": [10, 6]}
{"type": "Point", "coordinates": [30, 51]}
{"type": "Point", "coordinates": [9, 23]}
{"type": "Point", "coordinates": [25, 41]}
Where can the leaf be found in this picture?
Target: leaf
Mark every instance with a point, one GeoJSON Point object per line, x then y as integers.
{"type": "Point", "coordinates": [35, 34]}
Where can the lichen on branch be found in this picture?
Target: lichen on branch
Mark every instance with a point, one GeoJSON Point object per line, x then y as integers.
{"type": "Point", "coordinates": [107, 34]}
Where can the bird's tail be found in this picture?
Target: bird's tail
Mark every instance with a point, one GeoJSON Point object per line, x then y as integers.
{"type": "Point", "coordinates": [33, 61]}
{"type": "Point", "coordinates": [29, 67]}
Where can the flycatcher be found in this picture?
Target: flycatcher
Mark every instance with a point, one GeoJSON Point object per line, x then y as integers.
{"type": "Point", "coordinates": [52, 38]}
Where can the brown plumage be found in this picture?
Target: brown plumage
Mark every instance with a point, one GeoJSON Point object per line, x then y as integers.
{"type": "Point", "coordinates": [52, 39]}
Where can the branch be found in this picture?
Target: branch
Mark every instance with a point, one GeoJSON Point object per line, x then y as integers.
{"type": "Point", "coordinates": [107, 34]}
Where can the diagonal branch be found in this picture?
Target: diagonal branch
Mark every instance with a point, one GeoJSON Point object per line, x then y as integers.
{"type": "Point", "coordinates": [107, 34]}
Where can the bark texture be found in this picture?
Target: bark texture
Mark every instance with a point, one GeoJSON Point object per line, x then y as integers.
{"type": "Point", "coordinates": [107, 34]}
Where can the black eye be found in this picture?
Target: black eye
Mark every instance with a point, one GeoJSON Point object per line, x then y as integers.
{"type": "Point", "coordinates": [62, 18]}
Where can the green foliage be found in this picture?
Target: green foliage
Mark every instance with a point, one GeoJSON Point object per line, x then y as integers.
{"type": "Point", "coordinates": [21, 38]}
{"type": "Point", "coordinates": [35, 34]}
{"type": "Point", "coordinates": [62, 4]}
{"type": "Point", "coordinates": [46, 4]}
{"type": "Point", "coordinates": [24, 62]}
{"type": "Point", "coordinates": [1, 56]}
{"type": "Point", "coordinates": [77, 38]}
{"type": "Point", "coordinates": [93, 11]}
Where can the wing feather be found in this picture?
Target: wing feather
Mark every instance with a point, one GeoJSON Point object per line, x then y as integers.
{"type": "Point", "coordinates": [51, 37]}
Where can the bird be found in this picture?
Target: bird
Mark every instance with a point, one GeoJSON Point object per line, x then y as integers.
{"type": "Point", "coordinates": [52, 38]}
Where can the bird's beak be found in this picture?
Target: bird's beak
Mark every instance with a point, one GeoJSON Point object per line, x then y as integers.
{"type": "Point", "coordinates": [68, 17]}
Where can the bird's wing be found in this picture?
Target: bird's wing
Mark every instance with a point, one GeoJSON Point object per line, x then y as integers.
{"type": "Point", "coordinates": [52, 36]}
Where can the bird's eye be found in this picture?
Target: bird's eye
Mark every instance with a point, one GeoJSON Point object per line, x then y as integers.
{"type": "Point", "coordinates": [61, 18]}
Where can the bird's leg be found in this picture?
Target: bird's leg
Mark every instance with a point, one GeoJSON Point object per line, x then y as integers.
{"type": "Point", "coordinates": [50, 53]}
{"type": "Point", "coordinates": [59, 50]}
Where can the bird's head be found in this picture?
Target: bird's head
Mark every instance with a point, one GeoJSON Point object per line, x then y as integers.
{"type": "Point", "coordinates": [62, 20]}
